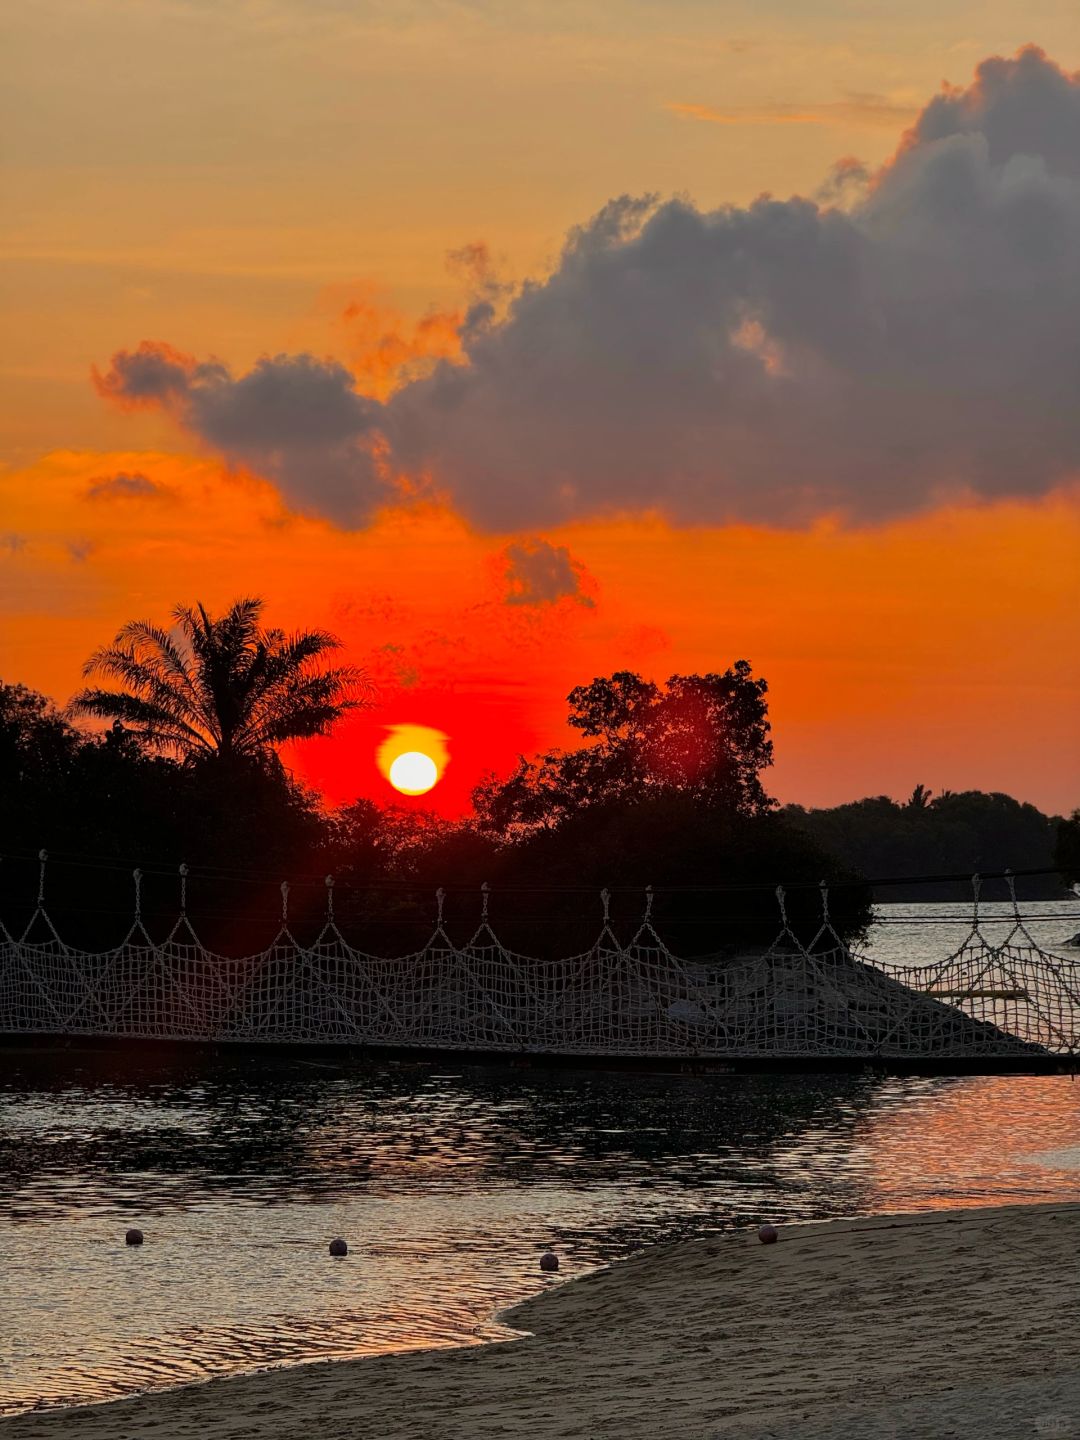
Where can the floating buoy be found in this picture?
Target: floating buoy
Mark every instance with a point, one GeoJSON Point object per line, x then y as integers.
{"type": "Point", "coordinates": [549, 1261]}
{"type": "Point", "coordinates": [133, 1237]}
{"type": "Point", "coordinates": [768, 1235]}
{"type": "Point", "coordinates": [338, 1247]}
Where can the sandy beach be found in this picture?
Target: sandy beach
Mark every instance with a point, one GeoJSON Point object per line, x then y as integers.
{"type": "Point", "coordinates": [958, 1323]}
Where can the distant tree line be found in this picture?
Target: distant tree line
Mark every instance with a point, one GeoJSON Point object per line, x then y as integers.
{"type": "Point", "coordinates": [953, 833]}
{"type": "Point", "coordinates": [665, 790]}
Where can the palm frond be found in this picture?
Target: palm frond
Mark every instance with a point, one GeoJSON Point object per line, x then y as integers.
{"type": "Point", "coordinates": [222, 684]}
{"type": "Point", "coordinates": [136, 659]}
{"type": "Point", "coordinates": [143, 716]}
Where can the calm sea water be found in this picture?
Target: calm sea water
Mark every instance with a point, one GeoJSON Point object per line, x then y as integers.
{"type": "Point", "coordinates": [448, 1182]}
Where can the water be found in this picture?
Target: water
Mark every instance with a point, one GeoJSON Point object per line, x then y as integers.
{"type": "Point", "coordinates": [926, 934]}
{"type": "Point", "coordinates": [447, 1180]}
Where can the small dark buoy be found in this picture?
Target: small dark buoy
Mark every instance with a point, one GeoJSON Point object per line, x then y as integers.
{"type": "Point", "coordinates": [768, 1235]}
{"type": "Point", "coordinates": [133, 1237]}
{"type": "Point", "coordinates": [338, 1247]}
{"type": "Point", "coordinates": [549, 1261]}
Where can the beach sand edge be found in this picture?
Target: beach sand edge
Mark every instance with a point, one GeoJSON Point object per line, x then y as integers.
{"type": "Point", "coordinates": [933, 1323]}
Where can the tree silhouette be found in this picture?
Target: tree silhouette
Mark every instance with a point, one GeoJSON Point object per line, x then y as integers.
{"type": "Point", "coordinates": [1067, 848]}
{"type": "Point", "coordinates": [705, 737]}
{"type": "Point", "coordinates": [221, 687]}
{"type": "Point", "coordinates": [952, 833]}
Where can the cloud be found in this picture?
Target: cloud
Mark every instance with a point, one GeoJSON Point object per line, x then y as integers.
{"type": "Point", "coordinates": [535, 572]}
{"type": "Point", "coordinates": [395, 666]}
{"type": "Point", "coordinates": [765, 364]}
{"type": "Point", "coordinates": [154, 374]}
{"type": "Point", "coordinates": [487, 290]}
{"type": "Point", "coordinates": [857, 110]}
{"type": "Point", "coordinates": [80, 550]}
{"type": "Point", "coordinates": [1023, 107]}
{"type": "Point", "coordinates": [294, 419]}
{"type": "Point", "coordinates": [12, 544]}
{"type": "Point", "coordinates": [385, 349]}
{"type": "Point", "coordinates": [847, 180]}
{"type": "Point", "coordinates": [123, 486]}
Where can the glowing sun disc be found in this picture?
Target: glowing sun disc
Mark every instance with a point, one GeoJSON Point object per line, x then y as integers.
{"type": "Point", "coordinates": [413, 773]}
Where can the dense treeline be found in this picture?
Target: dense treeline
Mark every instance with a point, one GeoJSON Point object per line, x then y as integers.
{"type": "Point", "coordinates": [1067, 849]}
{"type": "Point", "coordinates": [949, 834]}
{"type": "Point", "coordinates": [102, 804]}
{"type": "Point", "coordinates": [666, 791]}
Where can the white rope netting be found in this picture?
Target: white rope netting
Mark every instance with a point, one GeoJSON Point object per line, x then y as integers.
{"type": "Point", "coordinates": [821, 999]}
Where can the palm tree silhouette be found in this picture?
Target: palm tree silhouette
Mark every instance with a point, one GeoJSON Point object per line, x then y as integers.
{"type": "Point", "coordinates": [221, 687]}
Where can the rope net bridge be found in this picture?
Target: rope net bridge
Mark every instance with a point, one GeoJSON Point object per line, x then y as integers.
{"type": "Point", "coordinates": [1005, 1000]}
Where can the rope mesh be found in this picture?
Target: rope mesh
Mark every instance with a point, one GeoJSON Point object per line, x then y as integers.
{"type": "Point", "coordinates": [822, 999]}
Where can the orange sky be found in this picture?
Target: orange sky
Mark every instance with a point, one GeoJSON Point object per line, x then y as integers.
{"type": "Point", "coordinates": [939, 650]}
{"type": "Point", "coordinates": [340, 180]}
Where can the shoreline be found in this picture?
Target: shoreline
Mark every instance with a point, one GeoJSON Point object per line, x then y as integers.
{"type": "Point", "coordinates": [948, 1322]}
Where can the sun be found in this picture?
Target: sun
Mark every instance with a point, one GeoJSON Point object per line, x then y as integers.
{"type": "Point", "coordinates": [413, 758]}
{"type": "Point", "coordinates": [413, 773]}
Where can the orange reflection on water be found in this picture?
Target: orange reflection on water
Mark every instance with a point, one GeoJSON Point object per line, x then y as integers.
{"type": "Point", "coordinates": [953, 1150]}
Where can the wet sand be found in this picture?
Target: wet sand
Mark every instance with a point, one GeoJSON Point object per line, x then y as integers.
{"type": "Point", "coordinates": [957, 1323]}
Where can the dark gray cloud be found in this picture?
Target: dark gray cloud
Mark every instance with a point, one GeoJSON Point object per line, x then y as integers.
{"type": "Point", "coordinates": [1023, 106]}
{"type": "Point", "coordinates": [539, 573]}
{"type": "Point", "coordinates": [293, 418]}
{"type": "Point", "coordinates": [155, 373]}
{"type": "Point", "coordinates": [124, 486]}
{"type": "Point", "coordinates": [765, 363]}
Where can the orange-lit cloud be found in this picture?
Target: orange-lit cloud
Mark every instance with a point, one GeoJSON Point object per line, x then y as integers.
{"type": "Point", "coordinates": [535, 572]}
{"type": "Point", "coordinates": [384, 348]}
{"type": "Point", "coordinates": [155, 373]}
{"type": "Point", "coordinates": [294, 419]}
{"type": "Point", "coordinates": [124, 486]}
{"type": "Point", "coordinates": [768, 365]}
{"type": "Point", "coordinates": [876, 111]}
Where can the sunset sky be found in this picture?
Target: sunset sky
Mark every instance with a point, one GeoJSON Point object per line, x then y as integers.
{"type": "Point", "coordinates": [522, 343]}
